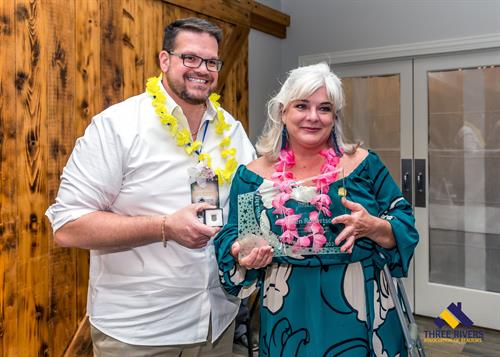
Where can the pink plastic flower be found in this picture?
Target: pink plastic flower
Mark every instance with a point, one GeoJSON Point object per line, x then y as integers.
{"type": "Point", "coordinates": [303, 242]}
{"type": "Point", "coordinates": [319, 241]}
{"type": "Point", "coordinates": [313, 225]}
{"type": "Point", "coordinates": [323, 182]}
{"type": "Point", "coordinates": [289, 236]}
{"type": "Point", "coordinates": [330, 155]}
{"type": "Point", "coordinates": [284, 186]}
{"type": "Point", "coordinates": [289, 222]}
{"type": "Point", "coordinates": [279, 204]}
{"type": "Point", "coordinates": [288, 157]}
{"type": "Point", "coordinates": [322, 202]}
{"type": "Point", "coordinates": [281, 176]}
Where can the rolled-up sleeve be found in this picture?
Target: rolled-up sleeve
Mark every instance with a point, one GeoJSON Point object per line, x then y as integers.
{"type": "Point", "coordinates": [92, 177]}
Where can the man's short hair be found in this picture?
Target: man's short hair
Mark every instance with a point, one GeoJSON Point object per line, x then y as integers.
{"type": "Point", "coordinates": [193, 24]}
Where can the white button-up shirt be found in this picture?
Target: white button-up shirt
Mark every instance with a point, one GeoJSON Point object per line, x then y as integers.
{"type": "Point", "coordinates": [129, 164]}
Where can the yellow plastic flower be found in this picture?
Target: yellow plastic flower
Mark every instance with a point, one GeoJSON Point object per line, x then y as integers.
{"type": "Point", "coordinates": [159, 100]}
{"type": "Point", "coordinates": [228, 152]}
{"type": "Point", "coordinates": [205, 157]}
{"type": "Point", "coordinates": [220, 116]}
{"type": "Point", "coordinates": [213, 98]}
{"type": "Point", "coordinates": [223, 175]}
{"type": "Point", "coordinates": [221, 126]}
{"type": "Point", "coordinates": [183, 137]}
{"type": "Point", "coordinates": [152, 81]}
{"type": "Point", "coordinates": [161, 111]}
{"type": "Point", "coordinates": [231, 164]}
{"type": "Point", "coordinates": [193, 147]}
{"type": "Point", "coordinates": [225, 142]}
{"type": "Point", "coordinates": [168, 119]}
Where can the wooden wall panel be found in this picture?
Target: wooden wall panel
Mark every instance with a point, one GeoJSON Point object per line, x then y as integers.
{"type": "Point", "coordinates": [8, 182]}
{"type": "Point", "coordinates": [87, 104]}
{"type": "Point", "coordinates": [111, 71]}
{"type": "Point", "coordinates": [133, 47]}
{"type": "Point", "coordinates": [31, 114]}
{"type": "Point", "coordinates": [61, 62]}
{"type": "Point", "coordinates": [153, 14]}
{"type": "Point", "coordinates": [60, 84]}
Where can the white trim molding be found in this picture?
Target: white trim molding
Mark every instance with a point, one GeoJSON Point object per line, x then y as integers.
{"type": "Point", "coordinates": [481, 42]}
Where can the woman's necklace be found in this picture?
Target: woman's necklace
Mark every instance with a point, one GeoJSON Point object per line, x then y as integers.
{"type": "Point", "coordinates": [183, 136]}
{"type": "Point", "coordinates": [321, 201]}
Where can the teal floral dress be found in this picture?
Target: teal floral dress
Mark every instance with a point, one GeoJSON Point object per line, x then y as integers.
{"type": "Point", "coordinates": [332, 304]}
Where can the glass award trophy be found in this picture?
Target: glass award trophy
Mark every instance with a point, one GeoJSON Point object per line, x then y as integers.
{"type": "Point", "coordinates": [258, 220]}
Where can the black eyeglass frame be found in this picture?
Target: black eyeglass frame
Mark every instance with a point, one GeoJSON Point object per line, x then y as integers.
{"type": "Point", "coordinates": [216, 62]}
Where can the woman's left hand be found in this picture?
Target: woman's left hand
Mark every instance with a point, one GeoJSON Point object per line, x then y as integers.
{"type": "Point", "coordinates": [358, 224]}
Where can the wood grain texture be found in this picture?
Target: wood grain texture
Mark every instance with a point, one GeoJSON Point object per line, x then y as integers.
{"type": "Point", "coordinates": [31, 111]}
{"type": "Point", "coordinates": [8, 182]}
{"type": "Point", "coordinates": [80, 344]}
{"type": "Point", "coordinates": [234, 89]}
{"type": "Point", "coordinates": [152, 36]}
{"type": "Point", "coordinates": [87, 104]}
{"type": "Point", "coordinates": [268, 20]}
{"type": "Point", "coordinates": [231, 11]}
{"type": "Point", "coordinates": [60, 86]}
{"type": "Point", "coordinates": [62, 62]}
{"type": "Point", "coordinates": [232, 46]}
{"type": "Point", "coordinates": [133, 47]}
{"type": "Point", "coordinates": [111, 69]}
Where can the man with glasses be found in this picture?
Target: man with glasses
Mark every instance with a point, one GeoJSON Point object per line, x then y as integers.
{"type": "Point", "coordinates": [126, 194]}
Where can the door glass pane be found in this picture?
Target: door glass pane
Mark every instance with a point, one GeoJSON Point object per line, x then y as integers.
{"type": "Point", "coordinates": [464, 177]}
{"type": "Point", "coordinates": [372, 116]}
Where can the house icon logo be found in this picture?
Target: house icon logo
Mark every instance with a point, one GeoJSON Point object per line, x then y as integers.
{"type": "Point", "coordinates": [453, 316]}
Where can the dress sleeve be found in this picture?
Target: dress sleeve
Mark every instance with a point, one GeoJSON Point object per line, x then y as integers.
{"type": "Point", "coordinates": [398, 212]}
{"type": "Point", "coordinates": [235, 279]}
{"type": "Point", "coordinates": [92, 177]}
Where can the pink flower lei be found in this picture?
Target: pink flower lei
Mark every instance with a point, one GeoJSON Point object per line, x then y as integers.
{"type": "Point", "coordinates": [283, 179]}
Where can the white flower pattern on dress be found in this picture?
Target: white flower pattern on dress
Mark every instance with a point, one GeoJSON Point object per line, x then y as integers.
{"type": "Point", "coordinates": [382, 303]}
{"type": "Point", "coordinates": [378, 348]}
{"type": "Point", "coordinates": [275, 286]}
{"type": "Point", "coordinates": [353, 280]}
{"type": "Point", "coordinates": [237, 276]}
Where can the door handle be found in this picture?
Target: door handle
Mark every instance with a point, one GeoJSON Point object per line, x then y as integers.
{"type": "Point", "coordinates": [406, 184]}
{"type": "Point", "coordinates": [420, 182]}
{"type": "Point", "coordinates": [406, 178]}
{"type": "Point", "coordinates": [420, 178]}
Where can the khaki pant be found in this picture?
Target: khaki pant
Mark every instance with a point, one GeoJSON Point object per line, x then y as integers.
{"type": "Point", "coordinates": [106, 346]}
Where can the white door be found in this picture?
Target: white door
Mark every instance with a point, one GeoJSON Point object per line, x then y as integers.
{"type": "Point", "coordinates": [457, 138]}
{"type": "Point", "coordinates": [379, 113]}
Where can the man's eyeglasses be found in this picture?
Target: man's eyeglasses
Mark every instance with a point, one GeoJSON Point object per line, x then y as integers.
{"type": "Point", "coordinates": [193, 61]}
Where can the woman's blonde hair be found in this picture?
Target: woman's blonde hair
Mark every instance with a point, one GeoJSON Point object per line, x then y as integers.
{"type": "Point", "coordinates": [301, 83]}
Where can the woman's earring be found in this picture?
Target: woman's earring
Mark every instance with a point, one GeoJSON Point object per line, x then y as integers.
{"type": "Point", "coordinates": [284, 138]}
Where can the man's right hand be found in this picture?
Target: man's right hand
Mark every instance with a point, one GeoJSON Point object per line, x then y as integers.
{"type": "Point", "coordinates": [185, 228]}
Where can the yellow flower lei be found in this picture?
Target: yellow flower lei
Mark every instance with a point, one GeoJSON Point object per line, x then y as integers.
{"type": "Point", "coordinates": [183, 136]}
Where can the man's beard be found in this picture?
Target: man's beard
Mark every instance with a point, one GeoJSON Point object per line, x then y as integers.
{"type": "Point", "coordinates": [182, 92]}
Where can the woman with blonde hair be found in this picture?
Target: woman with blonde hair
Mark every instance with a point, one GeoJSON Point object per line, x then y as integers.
{"type": "Point", "coordinates": [331, 301]}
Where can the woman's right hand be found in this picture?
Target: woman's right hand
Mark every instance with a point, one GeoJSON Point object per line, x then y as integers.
{"type": "Point", "coordinates": [259, 257]}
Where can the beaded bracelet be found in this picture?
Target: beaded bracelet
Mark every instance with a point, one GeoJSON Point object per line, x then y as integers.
{"type": "Point", "coordinates": [163, 238]}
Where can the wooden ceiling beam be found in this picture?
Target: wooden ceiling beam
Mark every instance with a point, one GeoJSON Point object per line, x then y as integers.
{"type": "Point", "coordinates": [236, 12]}
{"type": "Point", "coordinates": [269, 20]}
{"type": "Point", "coordinates": [247, 13]}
